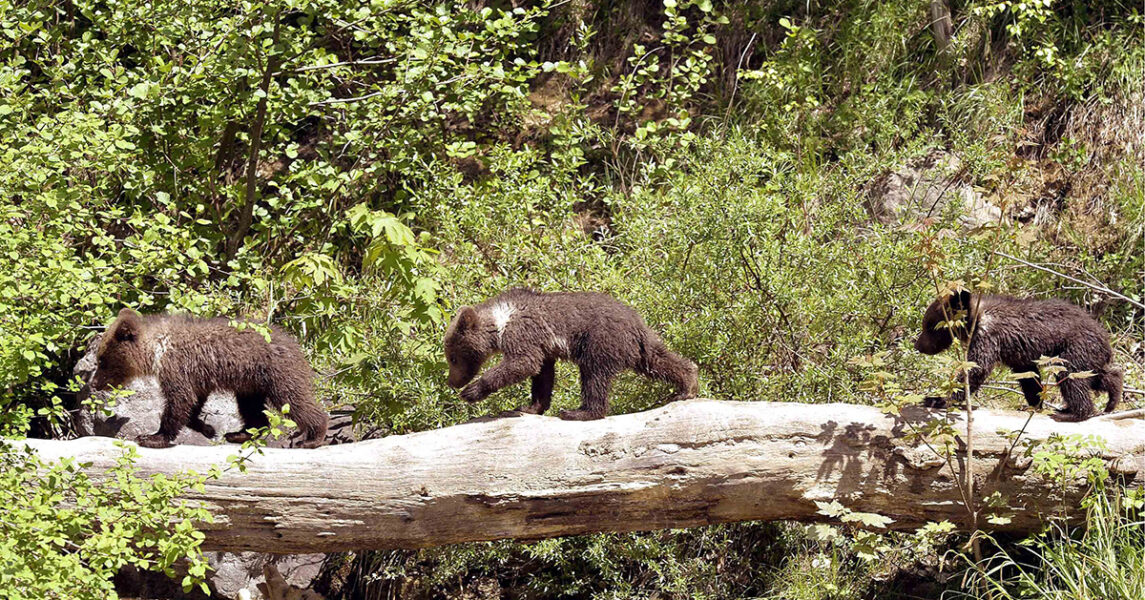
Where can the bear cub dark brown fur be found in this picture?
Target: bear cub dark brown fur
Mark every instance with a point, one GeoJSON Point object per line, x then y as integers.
{"type": "Point", "coordinates": [192, 357]}
{"type": "Point", "coordinates": [533, 330]}
{"type": "Point", "coordinates": [1017, 332]}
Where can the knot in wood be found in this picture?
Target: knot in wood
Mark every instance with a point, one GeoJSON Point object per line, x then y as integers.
{"type": "Point", "coordinates": [1126, 465]}
{"type": "Point", "coordinates": [920, 458]}
{"type": "Point", "coordinates": [608, 445]}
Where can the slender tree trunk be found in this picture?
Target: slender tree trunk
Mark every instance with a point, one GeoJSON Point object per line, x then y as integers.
{"type": "Point", "coordinates": [940, 25]}
{"type": "Point", "coordinates": [246, 213]}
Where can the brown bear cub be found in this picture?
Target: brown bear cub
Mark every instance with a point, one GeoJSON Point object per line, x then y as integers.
{"type": "Point", "coordinates": [533, 330]}
{"type": "Point", "coordinates": [1016, 333]}
{"type": "Point", "coordinates": [192, 357]}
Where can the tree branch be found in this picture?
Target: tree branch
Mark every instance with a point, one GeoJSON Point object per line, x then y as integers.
{"type": "Point", "coordinates": [1092, 286]}
{"type": "Point", "coordinates": [247, 212]}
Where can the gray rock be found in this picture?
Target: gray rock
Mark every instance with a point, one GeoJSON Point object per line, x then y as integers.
{"type": "Point", "coordinates": [235, 573]}
{"type": "Point", "coordinates": [928, 188]}
{"type": "Point", "coordinates": [234, 576]}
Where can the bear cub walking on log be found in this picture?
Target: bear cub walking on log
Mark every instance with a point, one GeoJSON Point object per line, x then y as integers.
{"type": "Point", "coordinates": [193, 357]}
{"type": "Point", "coordinates": [1016, 333]}
{"type": "Point", "coordinates": [532, 330]}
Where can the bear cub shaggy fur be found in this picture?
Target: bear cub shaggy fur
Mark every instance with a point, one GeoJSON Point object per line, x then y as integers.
{"type": "Point", "coordinates": [192, 357]}
{"type": "Point", "coordinates": [532, 330]}
{"type": "Point", "coordinates": [1017, 332]}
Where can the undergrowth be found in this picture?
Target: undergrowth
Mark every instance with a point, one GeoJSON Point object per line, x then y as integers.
{"type": "Point", "coordinates": [715, 165]}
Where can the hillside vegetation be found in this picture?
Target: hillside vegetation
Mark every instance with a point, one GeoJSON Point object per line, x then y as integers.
{"type": "Point", "coordinates": [356, 171]}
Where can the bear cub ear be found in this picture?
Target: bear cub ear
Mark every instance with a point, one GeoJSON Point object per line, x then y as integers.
{"type": "Point", "coordinates": [128, 325]}
{"type": "Point", "coordinates": [960, 300]}
{"type": "Point", "coordinates": [467, 318]}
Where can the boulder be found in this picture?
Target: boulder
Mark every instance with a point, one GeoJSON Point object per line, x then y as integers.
{"type": "Point", "coordinates": [930, 188]}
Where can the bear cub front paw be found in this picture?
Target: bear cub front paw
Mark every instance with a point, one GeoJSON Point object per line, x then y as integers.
{"type": "Point", "coordinates": [580, 415]}
{"type": "Point", "coordinates": [154, 440]}
{"type": "Point", "coordinates": [473, 392]}
{"type": "Point", "coordinates": [238, 437]}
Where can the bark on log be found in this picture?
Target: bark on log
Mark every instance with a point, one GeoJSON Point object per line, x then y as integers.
{"type": "Point", "coordinates": [685, 464]}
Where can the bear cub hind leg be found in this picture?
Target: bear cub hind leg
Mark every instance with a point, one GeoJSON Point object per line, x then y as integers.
{"type": "Point", "coordinates": [1078, 400]}
{"type": "Point", "coordinates": [251, 410]}
{"type": "Point", "coordinates": [594, 387]}
{"type": "Point", "coordinates": [662, 364]}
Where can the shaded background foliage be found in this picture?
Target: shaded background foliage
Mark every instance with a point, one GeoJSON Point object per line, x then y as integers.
{"type": "Point", "coordinates": [354, 171]}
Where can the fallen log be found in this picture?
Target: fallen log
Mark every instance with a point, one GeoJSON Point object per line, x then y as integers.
{"type": "Point", "coordinates": [685, 464]}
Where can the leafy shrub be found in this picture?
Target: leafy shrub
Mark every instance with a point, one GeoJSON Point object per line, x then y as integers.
{"type": "Point", "coordinates": [64, 534]}
{"type": "Point", "coordinates": [356, 172]}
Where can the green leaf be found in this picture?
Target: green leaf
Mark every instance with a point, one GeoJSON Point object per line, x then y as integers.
{"type": "Point", "coordinates": [999, 520]}
{"type": "Point", "coordinates": [869, 519]}
{"type": "Point", "coordinates": [832, 508]}
{"type": "Point", "coordinates": [138, 90]}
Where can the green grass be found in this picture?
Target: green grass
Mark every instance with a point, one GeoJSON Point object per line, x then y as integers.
{"type": "Point", "coordinates": [1103, 560]}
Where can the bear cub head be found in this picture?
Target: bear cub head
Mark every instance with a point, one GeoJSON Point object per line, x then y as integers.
{"type": "Point", "coordinates": [468, 344]}
{"type": "Point", "coordinates": [937, 335]}
{"type": "Point", "coordinates": [121, 355]}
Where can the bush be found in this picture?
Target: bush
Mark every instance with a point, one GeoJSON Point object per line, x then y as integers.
{"type": "Point", "coordinates": [357, 172]}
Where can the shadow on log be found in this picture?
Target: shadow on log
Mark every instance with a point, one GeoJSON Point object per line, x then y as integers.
{"type": "Point", "coordinates": [686, 464]}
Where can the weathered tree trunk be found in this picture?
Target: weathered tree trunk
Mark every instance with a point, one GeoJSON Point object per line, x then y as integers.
{"type": "Point", "coordinates": [686, 464]}
{"type": "Point", "coordinates": [940, 25]}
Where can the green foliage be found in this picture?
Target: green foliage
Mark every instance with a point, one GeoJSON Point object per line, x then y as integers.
{"type": "Point", "coordinates": [1069, 459]}
{"type": "Point", "coordinates": [721, 561]}
{"type": "Point", "coordinates": [1105, 558]}
{"type": "Point", "coordinates": [134, 163]}
{"type": "Point", "coordinates": [64, 534]}
{"type": "Point", "coordinates": [709, 163]}
{"type": "Point", "coordinates": [667, 77]}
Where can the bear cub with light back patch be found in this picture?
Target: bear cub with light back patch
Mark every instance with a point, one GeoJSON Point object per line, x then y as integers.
{"type": "Point", "coordinates": [1017, 332]}
{"type": "Point", "coordinates": [532, 330]}
{"type": "Point", "coordinates": [192, 357]}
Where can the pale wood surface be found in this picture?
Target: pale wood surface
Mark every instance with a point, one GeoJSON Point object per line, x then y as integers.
{"type": "Point", "coordinates": [685, 464]}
